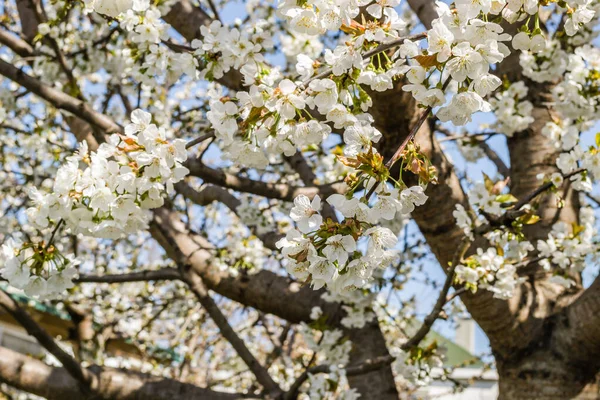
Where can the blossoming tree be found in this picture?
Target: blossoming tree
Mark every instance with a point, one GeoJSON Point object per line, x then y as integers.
{"type": "Point", "coordinates": [256, 194]}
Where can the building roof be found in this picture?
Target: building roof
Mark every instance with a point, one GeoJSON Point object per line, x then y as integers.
{"type": "Point", "coordinates": [455, 355]}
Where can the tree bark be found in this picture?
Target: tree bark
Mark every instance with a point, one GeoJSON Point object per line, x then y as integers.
{"type": "Point", "coordinates": [368, 343]}
{"type": "Point", "coordinates": [544, 375]}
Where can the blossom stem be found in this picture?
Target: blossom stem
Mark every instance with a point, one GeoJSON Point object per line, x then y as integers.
{"type": "Point", "coordinates": [56, 228]}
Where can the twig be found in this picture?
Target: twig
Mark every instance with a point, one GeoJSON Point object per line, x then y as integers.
{"type": "Point", "coordinates": [200, 139]}
{"type": "Point", "coordinates": [493, 156]}
{"type": "Point", "coordinates": [56, 228]}
{"type": "Point", "coordinates": [525, 200]}
{"type": "Point", "coordinates": [509, 216]}
{"type": "Point", "coordinates": [199, 289]}
{"type": "Point", "coordinates": [441, 301]}
{"type": "Point", "coordinates": [214, 9]}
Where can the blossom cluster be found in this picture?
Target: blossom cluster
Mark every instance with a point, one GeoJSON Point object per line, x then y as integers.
{"type": "Point", "coordinates": [512, 111]}
{"type": "Point", "coordinates": [578, 158]}
{"type": "Point", "coordinates": [563, 133]}
{"type": "Point", "coordinates": [127, 176]}
{"type": "Point", "coordinates": [488, 198]}
{"type": "Point", "coordinates": [464, 48]}
{"type": "Point", "coordinates": [105, 194]}
{"type": "Point", "coordinates": [576, 95]}
{"type": "Point", "coordinates": [568, 246]}
{"type": "Point", "coordinates": [545, 65]}
{"type": "Point", "coordinates": [333, 349]}
{"type": "Point", "coordinates": [37, 269]}
{"type": "Point", "coordinates": [222, 48]}
{"type": "Point", "coordinates": [327, 253]}
{"type": "Point", "coordinates": [493, 270]}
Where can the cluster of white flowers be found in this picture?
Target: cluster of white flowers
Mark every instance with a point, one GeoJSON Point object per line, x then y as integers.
{"type": "Point", "coordinates": [512, 112]}
{"type": "Point", "coordinates": [297, 45]}
{"type": "Point", "coordinates": [113, 8]}
{"type": "Point", "coordinates": [576, 95]}
{"type": "Point", "coordinates": [247, 254]}
{"type": "Point", "coordinates": [528, 42]}
{"type": "Point", "coordinates": [470, 149]}
{"type": "Point", "coordinates": [579, 158]}
{"type": "Point", "coordinates": [357, 305]}
{"type": "Point", "coordinates": [328, 253]}
{"type": "Point", "coordinates": [150, 59]}
{"type": "Point", "coordinates": [255, 217]}
{"type": "Point", "coordinates": [582, 12]}
{"type": "Point", "coordinates": [316, 17]}
{"type": "Point", "coordinates": [487, 199]}
{"type": "Point", "coordinates": [416, 373]}
{"type": "Point", "coordinates": [119, 183]}
{"type": "Point", "coordinates": [222, 48]}
{"type": "Point", "coordinates": [463, 220]}
{"type": "Point", "coordinates": [564, 134]}
{"type": "Point", "coordinates": [39, 270]}
{"type": "Point", "coordinates": [334, 350]}
{"type": "Point", "coordinates": [545, 66]}
{"type": "Point", "coordinates": [466, 47]}
{"type": "Point", "coordinates": [269, 120]}
{"type": "Point", "coordinates": [568, 246]}
{"type": "Point", "coordinates": [492, 271]}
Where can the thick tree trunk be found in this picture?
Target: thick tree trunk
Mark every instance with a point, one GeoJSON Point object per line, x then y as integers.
{"type": "Point", "coordinates": [545, 375]}
{"type": "Point", "coordinates": [369, 343]}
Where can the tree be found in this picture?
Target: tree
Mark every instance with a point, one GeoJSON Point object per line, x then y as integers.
{"type": "Point", "coordinates": [248, 193]}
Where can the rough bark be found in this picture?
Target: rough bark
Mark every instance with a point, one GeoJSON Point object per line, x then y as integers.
{"type": "Point", "coordinates": [544, 374]}
{"type": "Point", "coordinates": [368, 343]}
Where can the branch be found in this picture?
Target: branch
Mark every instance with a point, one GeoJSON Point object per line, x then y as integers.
{"type": "Point", "coordinates": [69, 363]}
{"type": "Point", "coordinates": [187, 19]}
{"type": "Point", "coordinates": [200, 139]}
{"type": "Point", "coordinates": [363, 368]}
{"type": "Point", "coordinates": [425, 10]}
{"type": "Point", "coordinates": [163, 274]}
{"type": "Point", "coordinates": [210, 193]}
{"type": "Point", "coordinates": [413, 132]}
{"type": "Point", "coordinates": [441, 301]}
{"type": "Point", "coordinates": [59, 99]}
{"type": "Point", "coordinates": [17, 45]}
{"type": "Point", "coordinates": [578, 327]}
{"type": "Point", "coordinates": [493, 156]}
{"type": "Point", "coordinates": [510, 215]}
{"type": "Point", "coordinates": [265, 290]}
{"type": "Point", "coordinates": [197, 287]}
{"type": "Point", "coordinates": [54, 383]}
{"type": "Point", "coordinates": [279, 191]}
{"type": "Point", "coordinates": [529, 197]}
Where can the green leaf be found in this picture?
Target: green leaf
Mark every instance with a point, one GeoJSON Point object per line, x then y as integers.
{"type": "Point", "coordinates": [506, 198]}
